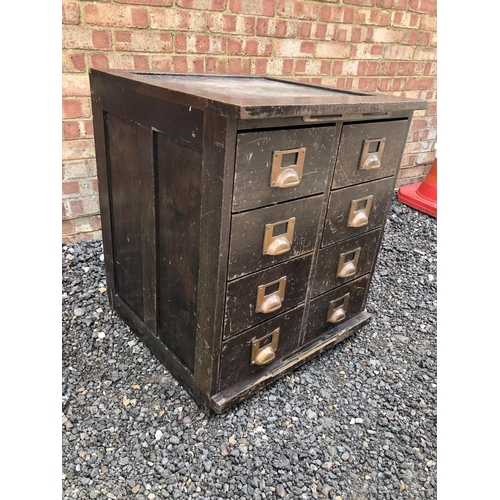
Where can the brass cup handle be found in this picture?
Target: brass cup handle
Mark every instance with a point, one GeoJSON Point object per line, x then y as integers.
{"type": "Point", "coordinates": [264, 356]}
{"type": "Point", "coordinates": [279, 246]}
{"type": "Point", "coordinates": [348, 263]}
{"type": "Point", "coordinates": [359, 220]}
{"type": "Point", "coordinates": [288, 178]}
{"type": "Point", "coordinates": [372, 162]}
{"type": "Point", "coordinates": [271, 303]}
{"type": "Point", "coordinates": [359, 212]}
{"type": "Point", "coordinates": [371, 154]}
{"type": "Point", "coordinates": [337, 310]}
{"type": "Point", "coordinates": [348, 270]}
{"type": "Point", "coordinates": [282, 242]}
{"type": "Point", "coordinates": [337, 315]}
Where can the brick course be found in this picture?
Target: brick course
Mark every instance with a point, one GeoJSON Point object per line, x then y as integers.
{"type": "Point", "coordinates": [386, 46]}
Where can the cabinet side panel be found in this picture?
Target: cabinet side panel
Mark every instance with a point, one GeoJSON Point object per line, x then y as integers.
{"type": "Point", "coordinates": [98, 116]}
{"type": "Point", "coordinates": [179, 172]}
{"type": "Point", "coordinates": [125, 180]}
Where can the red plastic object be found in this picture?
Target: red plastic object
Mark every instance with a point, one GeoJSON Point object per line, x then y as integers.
{"type": "Point", "coordinates": [422, 195]}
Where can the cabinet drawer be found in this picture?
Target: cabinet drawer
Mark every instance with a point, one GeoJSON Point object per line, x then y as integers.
{"type": "Point", "coordinates": [279, 165]}
{"type": "Point", "coordinates": [369, 151]}
{"type": "Point", "coordinates": [267, 236]}
{"type": "Point", "coordinates": [357, 209]}
{"type": "Point", "coordinates": [260, 346]}
{"type": "Point", "coordinates": [265, 294]}
{"type": "Point", "coordinates": [345, 261]}
{"type": "Point", "coordinates": [336, 306]}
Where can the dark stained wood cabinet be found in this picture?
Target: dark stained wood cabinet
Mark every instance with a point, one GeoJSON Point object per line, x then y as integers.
{"type": "Point", "coordinates": [241, 218]}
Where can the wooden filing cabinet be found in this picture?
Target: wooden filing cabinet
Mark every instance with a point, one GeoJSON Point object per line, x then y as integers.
{"type": "Point", "coordinates": [241, 218]}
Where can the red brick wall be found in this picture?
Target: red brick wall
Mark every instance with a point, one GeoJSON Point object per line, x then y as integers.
{"type": "Point", "coordinates": [386, 46]}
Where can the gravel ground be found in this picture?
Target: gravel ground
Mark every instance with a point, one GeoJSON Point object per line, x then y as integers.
{"type": "Point", "coordinates": [358, 422]}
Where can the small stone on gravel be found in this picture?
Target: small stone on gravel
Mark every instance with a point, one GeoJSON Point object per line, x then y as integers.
{"type": "Point", "coordinates": [311, 414]}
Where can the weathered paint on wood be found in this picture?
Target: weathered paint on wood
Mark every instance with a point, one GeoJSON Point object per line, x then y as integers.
{"type": "Point", "coordinates": [124, 185]}
{"type": "Point", "coordinates": [241, 297]}
{"type": "Point", "coordinates": [317, 323]}
{"type": "Point", "coordinates": [178, 245]}
{"type": "Point", "coordinates": [254, 160]}
{"type": "Point", "coordinates": [348, 171]}
{"type": "Point", "coordinates": [236, 352]}
{"type": "Point", "coordinates": [183, 164]}
{"type": "Point", "coordinates": [247, 234]}
{"type": "Point", "coordinates": [339, 208]}
{"type": "Point", "coordinates": [326, 271]}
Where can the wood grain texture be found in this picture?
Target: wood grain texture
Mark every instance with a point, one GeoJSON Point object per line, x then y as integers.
{"type": "Point", "coordinates": [240, 97]}
{"type": "Point", "coordinates": [241, 296]}
{"type": "Point", "coordinates": [184, 253]}
{"type": "Point", "coordinates": [325, 274]}
{"type": "Point", "coordinates": [156, 346]}
{"type": "Point", "coordinates": [254, 159]}
{"type": "Point", "coordinates": [299, 121]}
{"type": "Point", "coordinates": [96, 88]}
{"type": "Point", "coordinates": [179, 178]}
{"type": "Point", "coordinates": [336, 223]}
{"type": "Point", "coordinates": [219, 137]}
{"type": "Point", "coordinates": [125, 180]}
{"type": "Point", "coordinates": [148, 195]}
{"type": "Point", "coordinates": [171, 118]}
{"type": "Point", "coordinates": [231, 396]}
{"type": "Point", "coordinates": [317, 323]}
{"type": "Point", "coordinates": [237, 352]}
{"type": "Point", "coordinates": [247, 234]}
{"type": "Point", "coordinates": [347, 171]}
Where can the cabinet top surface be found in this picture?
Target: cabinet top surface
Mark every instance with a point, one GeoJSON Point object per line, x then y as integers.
{"type": "Point", "coordinates": [257, 97]}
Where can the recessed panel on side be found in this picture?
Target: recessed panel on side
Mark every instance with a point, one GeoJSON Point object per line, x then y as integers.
{"type": "Point", "coordinates": [125, 170]}
{"type": "Point", "coordinates": [178, 227]}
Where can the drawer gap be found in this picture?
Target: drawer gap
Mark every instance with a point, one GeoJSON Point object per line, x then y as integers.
{"type": "Point", "coordinates": [277, 204]}
{"type": "Point", "coordinates": [291, 127]}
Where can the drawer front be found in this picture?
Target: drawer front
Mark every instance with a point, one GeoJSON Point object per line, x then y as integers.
{"type": "Point", "coordinates": [333, 308]}
{"type": "Point", "coordinates": [357, 209]}
{"type": "Point", "coordinates": [265, 294]}
{"type": "Point", "coordinates": [280, 165]}
{"type": "Point", "coordinates": [369, 151]}
{"type": "Point", "coordinates": [267, 236]}
{"type": "Point", "coordinates": [260, 346]}
{"type": "Point", "coordinates": [345, 261]}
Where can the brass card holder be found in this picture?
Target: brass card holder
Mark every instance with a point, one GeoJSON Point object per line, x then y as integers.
{"type": "Point", "coordinates": [359, 212]}
{"type": "Point", "coordinates": [270, 296]}
{"type": "Point", "coordinates": [278, 237]}
{"type": "Point", "coordinates": [289, 175]}
{"type": "Point", "coordinates": [263, 349]}
{"type": "Point", "coordinates": [348, 261]}
{"type": "Point", "coordinates": [371, 154]}
{"type": "Point", "coordinates": [337, 309]}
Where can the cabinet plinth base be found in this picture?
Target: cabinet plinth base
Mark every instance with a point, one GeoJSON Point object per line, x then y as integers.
{"type": "Point", "coordinates": [231, 396]}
